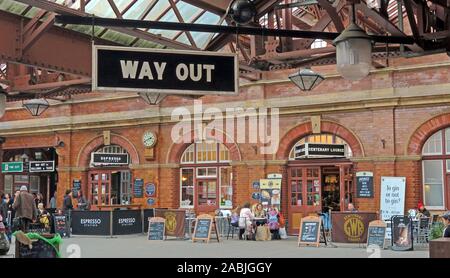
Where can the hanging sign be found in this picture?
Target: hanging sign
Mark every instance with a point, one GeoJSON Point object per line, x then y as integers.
{"type": "Point", "coordinates": [12, 167]}
{"type": "Point", "coordinates": [109, 158]}
{"type": "Point", "coordinates": [319, 150]}
{"type": "Point", "coordinates": [41, 166]}
{"type": "Point", "coordinates": [145, 70]}
{"type": "Point", "coordinates": [364, 185]}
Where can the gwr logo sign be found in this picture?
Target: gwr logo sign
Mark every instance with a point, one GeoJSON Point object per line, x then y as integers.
{"type": "Point", "coordinates": [353, 227]}
{"type": "Point", "coordinates": [164, 71]}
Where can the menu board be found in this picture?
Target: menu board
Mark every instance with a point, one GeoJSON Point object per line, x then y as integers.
{"type": "Point", "coordinates": [364, 185]}
{"type": "Point", "coordinates": [138, 188]}
{"type": "Point", "coordinates": [309, 233]}
{"type": "Point", "coordinates": [376, 233]}
{"type": "Point", "coordinates": [76, 187]}
{"type": "Point", "coordinates": [40, 249]}
{"type": "Point", "coordinates": [60, 225]}
{"type": "Point", "coordinates": [204, 224]}
{"type": "Point", "coordinates": [156, 228]}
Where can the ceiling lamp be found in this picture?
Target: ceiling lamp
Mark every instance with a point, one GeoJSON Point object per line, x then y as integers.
{"type": "Point", "coordinates": [242, 11]}
{"type": "Point", "coordinates": [306, 79]}
{"type": "Point", "coordinates": [36, 106]}
{"type": "Point", "coordinates": [152, 98]}
{"type": "Point", "coordinates": [2, 102]}
{"type": "Point", "coordinates": [353, 51]}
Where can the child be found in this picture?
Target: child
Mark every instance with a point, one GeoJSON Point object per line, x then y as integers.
{"type": "Point", "coordinates": [274, 224]}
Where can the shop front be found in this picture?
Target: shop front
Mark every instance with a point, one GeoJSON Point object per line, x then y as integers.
{"type": "Point", "coordinates": [34, 168]}
{"type": "Point", "coordinates": [109, 178]}
{"type": "Point", "coordinates": [320, 177]}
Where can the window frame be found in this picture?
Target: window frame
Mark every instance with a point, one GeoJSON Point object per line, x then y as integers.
{"type": "Point", "coordinates": [443, 161]}
{"type": "Point", "coordinates": [193, 187]}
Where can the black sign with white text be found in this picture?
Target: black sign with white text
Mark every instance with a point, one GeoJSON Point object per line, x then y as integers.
{"type": "Point", "coordinates": [109, 158]}
{"type": "Point", "coordinates": [127, 222]}
{"type": "Point", "coordinates": [364, 185]}
{"type": "Point", "coordinates": [321, 150]}
{"type": "Point", "coordinates": [91, 222]}
{"type": "Point", "coordinates": [41, 166]}
{"type": "Point", "coordinates": [164, 71]}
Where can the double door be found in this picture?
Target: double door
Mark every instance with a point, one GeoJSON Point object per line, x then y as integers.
{"type": "Point", "coordinates": [110, 187]}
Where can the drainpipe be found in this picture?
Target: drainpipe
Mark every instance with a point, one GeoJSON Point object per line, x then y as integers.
{"type": "Point", "coordinates": [400, 23]}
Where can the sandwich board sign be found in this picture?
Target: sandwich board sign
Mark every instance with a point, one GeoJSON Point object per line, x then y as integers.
{"type": "Point", "coordinates": [309, 233]}
{"type": "Point", "coordinates": [376, 234]}
{"type": "Point", "coordinates": [156, 228]}
{"type": "Point", "coordinates": [203, 228]}
{"type": "Point", "coordinates": [164, 71]}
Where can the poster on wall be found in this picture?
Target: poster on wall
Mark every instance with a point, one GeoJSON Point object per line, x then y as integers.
{"type": "Point", "coordinates": [392, 198]}
{"type": "Point", "coordinates": [270, 192]}
{"type": "Point", "coordinates": [364, 184]}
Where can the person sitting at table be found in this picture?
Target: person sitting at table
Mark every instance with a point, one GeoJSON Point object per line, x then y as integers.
{"type": "Point", "coordinates": [245, 220]}
{"type": "Point", "coordinates": [422, 211]}
{"type": "Point", "coordinates": [258, 211]}
{"type": "Point", "coordinates": [446, 219]}
{"type": "Point", "coordinates": [274, 224]}
{"type": "Point", "coordinates": [351, 208]}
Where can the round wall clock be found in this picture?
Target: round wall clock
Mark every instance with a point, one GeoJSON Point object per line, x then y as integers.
{"type": "Point", "coordinates": [149, 139]}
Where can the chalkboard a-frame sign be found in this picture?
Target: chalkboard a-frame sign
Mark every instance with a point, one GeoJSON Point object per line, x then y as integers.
{"type": "Point", "coordinates": [156, 228]}
{"type": "Point", "coordinates": [203, 227]}
{"type": "Point", "coordinates": [376, 233]}
{"type": "Point", "coordinates": [309, 233]}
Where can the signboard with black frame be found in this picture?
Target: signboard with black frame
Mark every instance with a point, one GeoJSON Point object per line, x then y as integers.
{"type": "Point", "coordinates": [109, 159]}
{"type": "Point", "coordinates": [127, 222]}
{"type": "Point", "coordinates": [164, 71]}
{"type": "Point", "coordinates": [41, 166]}
{"type": "Point", "coordinates": [319, 150]}
{"type": "Point", "coordinates": [91, 222]}
{"type": "Point", "coordinates": [364, 185]}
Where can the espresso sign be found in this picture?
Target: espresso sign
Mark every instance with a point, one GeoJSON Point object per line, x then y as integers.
{"type": "Point", "coordinates": [41, 166]}
{"type": "Point", "coordinates": [109, 158]}
{"type": "Point", "coordinates": [319, 150]}
{"type": "Point", "coordinates": [164, 71]}
{"type": "Point", "coordinates": [364, 185]}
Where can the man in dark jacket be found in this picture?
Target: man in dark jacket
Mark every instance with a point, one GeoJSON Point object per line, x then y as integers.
{"type": "Point", "coordinates": [67, 209]}
{"type": "Point", "coordinates": [446, 218]}
{"type": "Point", "coordinates": [25, 208]}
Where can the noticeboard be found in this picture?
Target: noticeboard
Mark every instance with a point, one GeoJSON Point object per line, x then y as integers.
{"type": "Point", "coordinates": [204, 225]}
{"type": "Point", "coordinates": [364, 185]}
{"type": "Point", "coordinates": [156, 228]}
{"type": "Point", "coordinates": [309, 233]}
{"type": "Point", "coordinates": [138, 188]}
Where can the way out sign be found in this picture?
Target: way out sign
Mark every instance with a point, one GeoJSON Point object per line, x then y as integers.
{"type": "Point", "coordinates": [130, 69]}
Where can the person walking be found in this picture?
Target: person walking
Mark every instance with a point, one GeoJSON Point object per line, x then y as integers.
{"type": "Point", "coordinates": [25, 208]}
{"type": "Point", "coordinates": [53, 202]}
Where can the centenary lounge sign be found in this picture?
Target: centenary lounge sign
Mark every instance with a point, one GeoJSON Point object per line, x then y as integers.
{"type": "Point", "coordinates": [164, 71]}
{"type": "Point", "coordinates": [319, 150]}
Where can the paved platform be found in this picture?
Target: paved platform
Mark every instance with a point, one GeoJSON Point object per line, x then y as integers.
{"type": "Point", "coordinates": [137, 246]}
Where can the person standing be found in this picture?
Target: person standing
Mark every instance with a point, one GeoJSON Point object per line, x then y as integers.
{"type": "Point", "coordinates": [82, 203]}
{"type": "Point", "coordinates": [39, 199]}
{"type": "Point", "coordinates": [67, 209]}
{"type": "Point", "coordinates": [25, 208]}
{"type": "Point", "coordinates": [446, 218]}
{"type": "Point", "coordinates": [53, 202]}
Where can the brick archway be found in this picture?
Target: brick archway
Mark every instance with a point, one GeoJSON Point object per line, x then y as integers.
{"type": "Point", "coordinates": [302, 130]}
{"type": "Point", "coordinates": [176, 149]}
{"type": "Point", "coordinates": [424, 131]}
{"type": "Point", "coordinates": [84, 156]}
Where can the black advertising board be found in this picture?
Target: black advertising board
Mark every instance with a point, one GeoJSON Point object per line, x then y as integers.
{"type": "Point", "coordinates": [202, 228]}
{"type": "Point", "coordinates": [148, 213]}
{"type": "Point", "coordinates": [164, 71]}
{"type": "Point", "coordinates": [41, 166]}
{"type": "Point", "coordinates": [364, 185]}
{"type": "Point", "coordinates": [401, 233]}
{"type": "Point", "coordinates": [376, 236]}
{"type": "Point", "coordinates": [156, 229]}
{"type": "Point", "coordinates": [109, 158]}
{"type": "Point", "coordinates": [127, 222]}
{"type": "Point", "coordinates": [60, 225]}
{"type": "Point", "coordinates": [138, 188]}
{"type": "Point", "coordinates": [319, 150]}
{"type": "Point", "coordinates": [310, 231]}
{"type": "Point", "coordinates": [76, 187]}
{"type": "Point", "coordinates": [40, 249]}
{"type": "Point", "coordinates": [91, 222]}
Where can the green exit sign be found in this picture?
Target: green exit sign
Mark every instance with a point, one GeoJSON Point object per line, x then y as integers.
{"type": "Point", "coordinates": [12, 167]}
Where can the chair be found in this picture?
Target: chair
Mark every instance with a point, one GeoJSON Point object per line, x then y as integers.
{"type": "Point", "coordinates": [423, 230]}
{"type": "Point", "coordinates": [231, 228]}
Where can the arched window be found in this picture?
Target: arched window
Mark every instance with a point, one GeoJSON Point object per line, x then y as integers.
{"type": "Point", "coordinates": [323, 139]}
{"type": "Point", "coordinates": [206, 177]}
{"type": "Point", "coordinates": [435, 167]}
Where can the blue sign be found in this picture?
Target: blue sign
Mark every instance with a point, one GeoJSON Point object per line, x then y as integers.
{"type": "Point", "coordinates": [150, 201]}
{"type": "Point", "coordinates": [255, 185]}
{"type": "Point", "coordinates": [150, 189]}
{"type": "Point", "coordinates": [256, 195]}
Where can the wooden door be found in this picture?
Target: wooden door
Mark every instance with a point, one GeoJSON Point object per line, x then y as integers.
{"type": "Point", "coordinates": [207, 193]}
{"type": "Point", "coordinates": [99, 188]}
{"type": "Point", "coordinates": [304, 191]}
{"type": "Point", "coordinates": [346, 186]}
